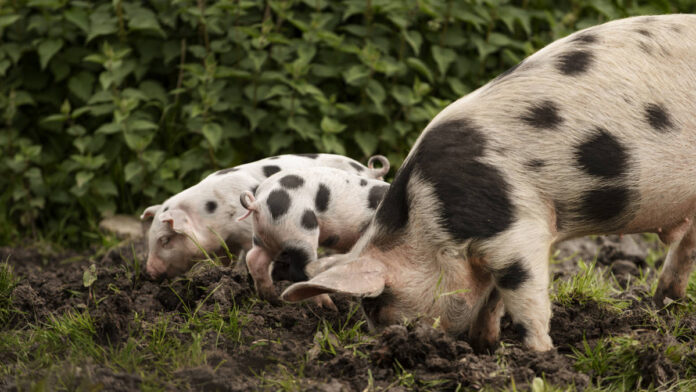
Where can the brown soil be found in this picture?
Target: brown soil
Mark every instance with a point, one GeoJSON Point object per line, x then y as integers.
{"type": "Point", "coordinates": [282, 337]}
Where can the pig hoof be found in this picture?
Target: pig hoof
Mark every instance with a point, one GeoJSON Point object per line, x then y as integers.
{"type": "Point", "coordinates": [324, 301]}
{"type": "Point", "coordinates": [481, 346]}
{"type": "Point", "coordinates": [665, 297]}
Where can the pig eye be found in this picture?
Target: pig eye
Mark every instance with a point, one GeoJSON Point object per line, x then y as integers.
{"type": "Point", "coordinates": [164, 241]}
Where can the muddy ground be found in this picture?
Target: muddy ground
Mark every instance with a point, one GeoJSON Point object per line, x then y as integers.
{"type": "Point", "coordinates": [292, 347]}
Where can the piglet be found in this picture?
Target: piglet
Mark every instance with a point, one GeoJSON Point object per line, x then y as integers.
{"type": "Point", "coordinates": [203, 217]}
{"type": "Point", "coordinates": [296, 211]}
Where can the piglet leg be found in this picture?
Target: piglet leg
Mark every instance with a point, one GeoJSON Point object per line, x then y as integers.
{"type": "Point", "coordinates": [258, 262]}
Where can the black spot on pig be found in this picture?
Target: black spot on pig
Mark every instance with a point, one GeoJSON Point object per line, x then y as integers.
{"type": "Point", "coordinates": [210, 206]}
{"type": "Point", "coordinates": [309, 220]}
{"type": "Point", "coordinates": [330, 241]}
{"type": "Point", "coordinates": [256, 241]}
{"type": "Point", "coordinates": [644, 32]}
{"type": "Point", "coordinates": [321, 200]}
{"type": "Point", "coordinates": [658, 117]}
{"type": "Point", "coordinates": [520, 330]}
{"type": "Point", "coordinates": [278, 203]}
{"type": "Point", "coordinates": [363, 182]}
{"type": "Point", "coordinates": [270, 170]}
{"type": "Point", "coordinates": [310, 156]}
{"type": "Point", "coordinates": [602, 155]}
{"type": "Point", "coordinates": [292, 181]}
{"type": "Point", "coordinates": [574, 62]}
{"type": "Point", "coordinates": [165, 209]}
{"type": "Point", "coordinates": [543, 115]}
{"type": "Point", "coordinates": [535, 164]}
{"type": "Point", "coordinates": [357, 166]}
{"type": "Point", "coordinates": [605, 203]}
{"type": "Point", "coordinates": [290, 265]}
{"type": "Point", "coordinates": [376, 195]}
{"type": "Point", "coordinates": [511, 277]}
{"type": "Point", "coordinates": [584, 38]}
{"type": "Point", "coordinates": [225, 171]}
{"type": "Point", "coordinates": [474, 198]}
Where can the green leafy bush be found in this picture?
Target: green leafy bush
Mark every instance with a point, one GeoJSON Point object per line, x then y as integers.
{"type": "Point", "coordinates": [110, 106]}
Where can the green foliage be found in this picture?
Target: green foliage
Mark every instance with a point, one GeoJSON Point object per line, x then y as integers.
{"type": "Point", "coordinates": [111, 106]}
{"type": "Point", "coordinates": [589, 285]}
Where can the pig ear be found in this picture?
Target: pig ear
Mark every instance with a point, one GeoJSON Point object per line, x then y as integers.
{"type": "Point", "coordinates": [360, 278]}
{"type": "Point", "coordinates": [178, 220]}
{"type": "Point", "coordinates": [150, 212]}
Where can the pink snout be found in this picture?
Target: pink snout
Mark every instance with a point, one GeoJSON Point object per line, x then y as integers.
{"type": "Point", "coordinates": [155, 267]}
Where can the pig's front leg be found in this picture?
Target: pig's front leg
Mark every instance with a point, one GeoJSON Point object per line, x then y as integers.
{"type": "Point", "coordinates": [484, 332]}
{"type": "Point", "coordinates": [675, 274]}
{"type": "Point", "coordinates": [258, 262]}
{"type": "Point", "coordinates": [519, 261]}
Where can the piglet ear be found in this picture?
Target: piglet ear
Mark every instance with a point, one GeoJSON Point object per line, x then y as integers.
{"type": "Point", "coordinates": [179, 221]}
{"type": "Point", "coordinates": [360, 278]}
{"type": "Point", "coordinates": [150, 212]}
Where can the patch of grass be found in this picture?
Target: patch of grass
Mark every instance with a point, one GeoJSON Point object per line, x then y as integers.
{"type": "Point", "coordinates": [588, 285]}
{"type": "Point", "coordinates": [8, 282]}
{"type": "Point", "coordinates": [347, 336]}
{"type": "Point", "coordinates": [621, 362]}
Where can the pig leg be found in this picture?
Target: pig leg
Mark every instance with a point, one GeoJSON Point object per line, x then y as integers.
{"type": "Point", "coordinates": [520, 269]}
{"type": "Point", "coordinates": [485, 330]}
{"type": "Point", "coordinates": [258, 262]}
{"type": "Point", "coordinates": [677, 269]}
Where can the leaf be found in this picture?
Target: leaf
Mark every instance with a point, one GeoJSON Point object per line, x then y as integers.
{"type": "Point", "coordinates": [81, 85]}
{"type": "Point", "coordinates": [305, 128]}
{"type": "Point", "coordinates": [404, 95]}
{"type": "Point", "coordinates": [414, 39]}
{"type": "Point", "coordinates": [367, 141]}
{"type": "Point", "coordinates": [213, 134]}
{"type": "Point", "coordinates": [443, 57]}
{"type": "Point", "coordinates": [131, 170]}
{"type": "Point", "coordinates": [47, 49]}
{"type": "Point", "coordinates": [108, 128]}
{"type": "Point", "coordinates": [7, 20]}
{"type": "Point", "coordinates": [254, 116]}
{"type": "Point", "coordinates": [279, 141]}
{"type": "Point", "coordinates": [141, 125]}
{"type": "Point", "coordinates": [78, 17]}
{"type": "Point", "coordinates": [144, 19]}
{"type": "Point", "coordinates": [356, 75]}
{"type": "Point", "coordinates": [420, 67]}
{"type": "Point", "coordinates": [329, 125]}
{"type": "Point", "coordinates": [83, 177]}
{"type": "Point", "coordinates": [89, 276]}
{"type": "Point", "coordinates": [376, 92]}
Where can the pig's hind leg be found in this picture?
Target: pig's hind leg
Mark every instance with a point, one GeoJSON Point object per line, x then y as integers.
{"type": "Point", "coordinates": [518, 260]}
{"type": "Point", "coordinates": [679, 262]}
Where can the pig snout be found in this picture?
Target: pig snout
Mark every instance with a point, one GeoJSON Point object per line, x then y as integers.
{"type": "Point", "coordinates": [155, 267]}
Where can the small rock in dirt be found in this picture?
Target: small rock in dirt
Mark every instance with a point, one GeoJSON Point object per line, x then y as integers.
{"type": "Point", "coordinates": [124, 226]}
{"type": "Point", "coordinates": [623, 270]}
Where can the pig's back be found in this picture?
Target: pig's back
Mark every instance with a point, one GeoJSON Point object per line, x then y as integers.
{"type": "Point", "coordinates": [599, 127]}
